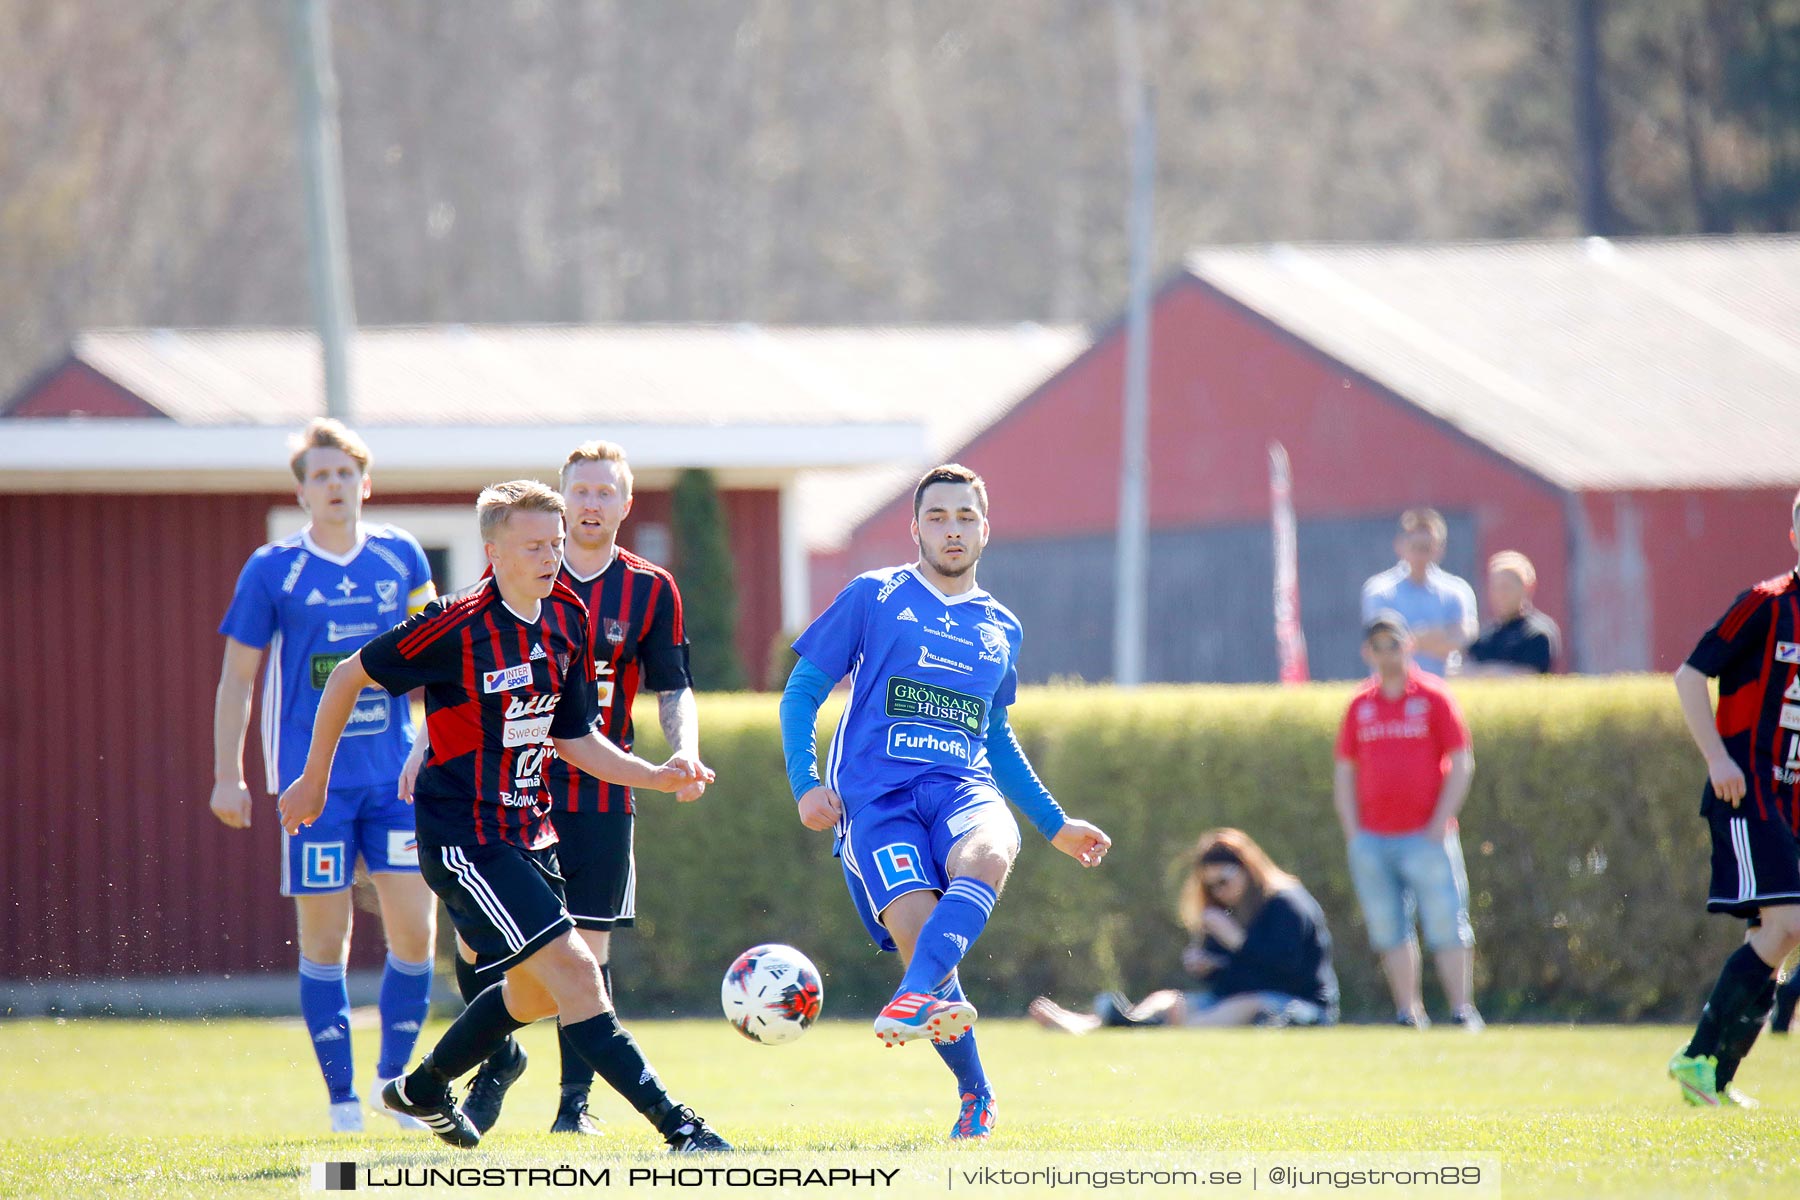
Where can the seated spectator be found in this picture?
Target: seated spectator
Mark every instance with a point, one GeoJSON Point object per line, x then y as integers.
{"type": "Point", "coordinates": [1260, 951]}
{"type": "Point", "coordinates": [1438, 607]}
{"type": "Point", "coordinates": [1522, 640]}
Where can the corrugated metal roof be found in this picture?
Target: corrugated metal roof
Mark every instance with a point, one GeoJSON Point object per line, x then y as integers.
{"type": "Point", "coordinates": [955, 381]}
{"type": "Point", "coordinates": [462, 375]}
{"type": "Point", "coordinates": [1595, 364]}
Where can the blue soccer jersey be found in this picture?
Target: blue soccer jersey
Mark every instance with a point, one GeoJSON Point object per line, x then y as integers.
{"type": "Point", "coordinates": [926, 670]}
{"type": "Point", "coordinates": [313, 609]}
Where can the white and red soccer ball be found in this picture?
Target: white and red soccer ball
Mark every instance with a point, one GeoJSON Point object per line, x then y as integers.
{"type": "Point", "coordinates": [772, 994]}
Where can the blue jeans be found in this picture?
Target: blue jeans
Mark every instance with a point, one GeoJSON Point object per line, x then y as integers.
{"type": "Point", "coordinates": [1398, 876]}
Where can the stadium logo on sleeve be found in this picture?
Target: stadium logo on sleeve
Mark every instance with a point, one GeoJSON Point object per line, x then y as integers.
{"type": "Point", "coordinates": [506, 679]}
{"type": "Point", "coordinates": [1787, 652]}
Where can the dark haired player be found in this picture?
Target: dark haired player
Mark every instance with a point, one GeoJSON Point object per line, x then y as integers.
{"type": "Point", "coordinates": [921, 761]}
{"type": "Point", "coordinates": [1751, 802]}
{"type": "Point", "coordinates": [508, 672]}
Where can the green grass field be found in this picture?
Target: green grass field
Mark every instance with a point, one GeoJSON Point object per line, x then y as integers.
{"type": "Point", "coordinates": [235, 1108]}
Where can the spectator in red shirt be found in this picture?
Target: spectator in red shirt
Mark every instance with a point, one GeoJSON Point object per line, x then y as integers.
{"type": "Point", "coordinates": [1403, 768]}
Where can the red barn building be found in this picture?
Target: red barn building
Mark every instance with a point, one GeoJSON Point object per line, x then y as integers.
{"type": "Point", "coordinates": [1625, 413]}
{"type": "Point", "coordinates": [138, 473]}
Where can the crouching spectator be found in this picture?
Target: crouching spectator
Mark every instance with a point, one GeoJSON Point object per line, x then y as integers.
{"type": "Point", "coordinates": [1260, 952]}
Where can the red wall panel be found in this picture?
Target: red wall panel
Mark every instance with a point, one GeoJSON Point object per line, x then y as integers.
{"type": "Point", "coordinates": [1223, 383]}
{"type": "Point", "coordinates": [111, 862]}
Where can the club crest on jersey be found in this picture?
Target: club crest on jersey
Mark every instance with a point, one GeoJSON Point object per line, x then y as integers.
{"type": "Point", "coordinates": [506, 679]}
{"type": "Point", "coordinates": [615, 631]}
{"type": "Point", "coordinates": [387, 591]}
{"type": "Point", "coordinates": [1787, 652]}
{"type": "Point", "coordinates": [993, 643]}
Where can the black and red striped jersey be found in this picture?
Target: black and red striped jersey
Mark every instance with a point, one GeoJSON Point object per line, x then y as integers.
{"type": "Point", "coordinates": [497, 689]}
{"type": "Point", "coordinates": [1754, 652]}
{"type": "Point", "coordinates": [634, 621]}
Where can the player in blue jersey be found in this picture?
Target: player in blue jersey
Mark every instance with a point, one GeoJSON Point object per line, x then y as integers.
{"type": "Point", "coordinates": [919, 765]}
{"type": "Point", "coordinates": [310, 601]}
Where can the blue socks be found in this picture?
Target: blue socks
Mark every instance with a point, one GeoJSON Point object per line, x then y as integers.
{"type": "Point", "coordinates": [325, 1007]}
{"type": "Point", "coordinates": [961, 1056]}
{"type": "Point", "coordinates": [405, 1001]}
{"type": "Point", "coordinates": [951, 929]}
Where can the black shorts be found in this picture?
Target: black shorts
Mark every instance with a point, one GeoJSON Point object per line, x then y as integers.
{"type": "Point", "coordinates": [1755, 864]}
{"type": "Point", "coordinates": [506, 902]}
{"type": "Point", "coordinates": [598, 868]}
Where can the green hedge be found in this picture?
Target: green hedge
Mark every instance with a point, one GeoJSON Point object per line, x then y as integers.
{"type": "Point", "coordinates": [1587, 861]}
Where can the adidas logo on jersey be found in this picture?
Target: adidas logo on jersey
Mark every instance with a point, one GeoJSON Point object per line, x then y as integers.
{"type": "Point", "coordinates": [536, 652]}
{"type": "Point", "coordinates": [316, 597]}
{"type": "Point", "coordinates": [906, 614]}
{"type": "Point", "coordinates": [648, 1076]}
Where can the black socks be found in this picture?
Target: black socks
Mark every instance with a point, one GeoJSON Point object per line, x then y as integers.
{"type": "Point", "coordinates": [615, 1056]}
{"type": "Point", "coordinates": [577, 1076]}
{"type": "Point", "coordinates": [1740, 990]}
{"type": "Point", "coordinates": [483, 1029]}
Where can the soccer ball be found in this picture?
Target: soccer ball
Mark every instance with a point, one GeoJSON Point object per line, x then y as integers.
{"type": "Point", "coordinates": [771, 994]}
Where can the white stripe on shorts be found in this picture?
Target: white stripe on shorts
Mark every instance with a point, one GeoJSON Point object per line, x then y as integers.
{"type": "Point", "coordinates": [1740, 847]}
{"type": "Point", "coordinates": [478, 888]}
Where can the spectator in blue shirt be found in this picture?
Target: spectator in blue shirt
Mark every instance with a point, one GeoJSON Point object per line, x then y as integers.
{"type": "Point", "coordinates": [1439, 607]}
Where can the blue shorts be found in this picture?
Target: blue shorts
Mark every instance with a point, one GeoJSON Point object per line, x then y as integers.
{"type": "Point", "coordinates": [1398, 876]}
{"type": "Point", "coordinates": [371, 823]}
{"type": "Point", "coordinates": [901, 842]}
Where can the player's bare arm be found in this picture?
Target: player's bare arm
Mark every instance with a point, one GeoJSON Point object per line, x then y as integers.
{"type": "Point", "coordinates": [231, 717]}
{"type": "Point", "coordinates": [304, 799]}
{"type": "Point", "coordinates": [679, 716]}
{"type": "Point", "coordinates": [1697, 710]}
{"type": "Point", "coordinates": [821, 808]}
{"type": "Point", "coordinates": [415, 761]}
{"type": "Point", "coordinates": [603, 760]}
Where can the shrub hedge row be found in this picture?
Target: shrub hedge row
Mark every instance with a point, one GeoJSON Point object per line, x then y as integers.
{"type": "Point", "coordinates": [1587, 862]}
